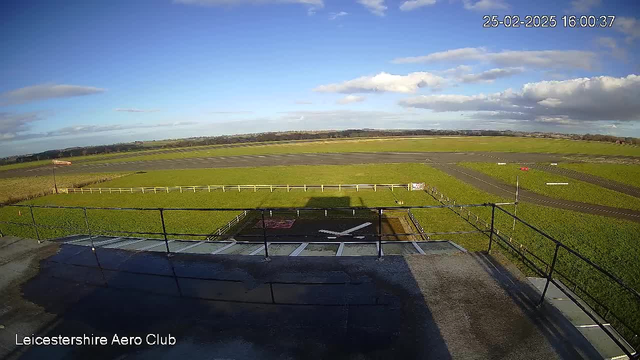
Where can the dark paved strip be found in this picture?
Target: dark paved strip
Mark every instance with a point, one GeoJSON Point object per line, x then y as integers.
{"type": "Point", "coordinates": [592, 179]}
{"type": "Point", "coordinates": [290, 159]}
{"type": "Point", "coordinates": [491, 185]}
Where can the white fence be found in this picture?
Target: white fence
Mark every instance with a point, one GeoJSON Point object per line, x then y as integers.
{"type": "Point", "coordinates": [230, 224]}
{"type": "Point", "coordinates": [225, 188]}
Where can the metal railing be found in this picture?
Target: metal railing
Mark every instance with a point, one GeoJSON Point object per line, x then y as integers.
{"type": "Point", "coordinates": [225, 188]}
{"type": "Point", "coordinates": [224, 229]}
{"type": "Point", "coordinates": [527, 256]}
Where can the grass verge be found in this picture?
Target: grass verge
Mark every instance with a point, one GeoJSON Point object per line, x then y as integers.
{"type": "Point", "coordinates": [536, 180]}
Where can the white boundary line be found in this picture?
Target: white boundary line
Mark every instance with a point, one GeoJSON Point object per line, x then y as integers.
{"type": "Point", "coordinates": [115, 246]}
{"type": "Point", "coordinates": [223, 248]}
{"type": "Point", "coordinates": [191, 246]}
{"type": "Point", "coordinates": [78, 240]}
{"type": "Point", "coordinates": [456, 245]}
{"type": "Point", "coordinates": [300, 248]}
{"type": "Point", "coordinates": [420, 251]}
{"type": "Point", "coordinates": [107, 242]}
{"type": "Point", "coordinates": [154, 245]}
{"type": "Point", "coordinates": [340, 249]}
{"type": "Point", "coordinates": [258, 250]}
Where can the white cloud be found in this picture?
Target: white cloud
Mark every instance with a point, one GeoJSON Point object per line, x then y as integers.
{"type": "Point", "coordinates": [542, 59]}
{"type": "Point", "coordinates": [333, 16]}
{"type": "Point", "coordinates": [376, 7]}
{"type": "Point", "coordinates": [11, 125]}
{"type": "Point", "coordinates": [582, 99]}
{"type": "Point", "coordinates": [350, 99]}
{"type": "Point", "coordinates": [415, 4]}
{"type": "Point", "coordinates": [134, 110]}
{"type": "Point", "coordinates": [457, 71]}
{"type": "Point", "coordinates": [45, 92]}
{"type": "Point", "coordinates": [612, 46]}
{"type": "Point", "coordinates": [491, 75]}
{"type": "Point", "coordinates": [483, 5]}
{"type": "Point", "coordinates": [583, 6]}
{"type": "Point", "coordinates": [628, 26]}
{"type": "Point", "coordinates": [384, 82]}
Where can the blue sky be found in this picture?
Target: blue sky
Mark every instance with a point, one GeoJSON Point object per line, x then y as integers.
{"type": "Point", "coordinates": [89, 72]}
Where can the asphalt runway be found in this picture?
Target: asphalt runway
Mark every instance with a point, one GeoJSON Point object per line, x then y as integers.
{"type": "Point", "coordinates": [292, 159]}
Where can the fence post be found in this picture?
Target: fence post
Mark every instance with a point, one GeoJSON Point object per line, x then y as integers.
{"type": "Point", "coordinates": [357, 187]}
{"type": "Point", "coordinates": [86, 222]}
{"type": "Point", "coordinates": [322, 187]}
{"type": "Point", "coordinates": [238, 188]}
{"type": "Point", "coordinates": [180, 189]}
{"type": "Point", "coordinates": [271, 188]}
{"type": "Point", "coordinates": [209, 188]}
{"type": "Point", "coordinates": [391, 187]}
{"type": "Point", "coordinates": [264, 235]}
{"type": "Point", "coordinates": [553, 265]}
{"type": "Point", "coordinates": [375, 188]}
{"type": "Point", "coordinates": [164, 232]}
{"type": "Point", "coordinates": [379, 234]}
{"type": "Point", "coordinates": [287, 187]}
{"type": "Point", "coordinates": [35, 227]}
{"type": "Point", "coordinates": [493, 216]}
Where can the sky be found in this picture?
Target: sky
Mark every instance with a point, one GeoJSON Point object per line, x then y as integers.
{"type": "Point", "coordinates": [78, 73]}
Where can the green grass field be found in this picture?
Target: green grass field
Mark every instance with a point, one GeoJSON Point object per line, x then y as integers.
{"type": "Point", "coordinates": [610, 242]}
{"type": "Point", "coordinates": [626, 174]}
{"type": "Point", "coordinates": [423, 144]}
{"type": "Point", "coordinates": [535, 180]}
{"type": "Point", "coordinates": [21, 188]}
{"type": "Point", "coordinates": [431, 144]}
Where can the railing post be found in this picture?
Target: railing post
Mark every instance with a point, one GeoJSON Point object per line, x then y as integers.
{"type": "Point", "coordinates": [379, 234]}
{"type": "Point", "coordinates": [553, 265]}
{"type": "Point", "coordinates": [86, 222]}
{"type": "Point", "coordinates": [35, 227]}
{"type": "Point", "coordinates": [264, 236]}
{"type": "Point", "coordinates": [493, 217]}
{"type": "Point", "coordinates": [164, 232]}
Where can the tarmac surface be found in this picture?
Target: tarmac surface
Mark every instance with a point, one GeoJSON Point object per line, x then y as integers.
{"type": "Point", "coordinates": [293, 159]}
{"type": "Point", "coordinates": [464, 306]}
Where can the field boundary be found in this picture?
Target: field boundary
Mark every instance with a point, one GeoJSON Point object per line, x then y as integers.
{"type": "Point", "coordinates": [238, 188]}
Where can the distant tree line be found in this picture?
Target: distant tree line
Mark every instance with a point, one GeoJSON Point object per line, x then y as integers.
{"type": "Point", "coordinates": [294, 136]}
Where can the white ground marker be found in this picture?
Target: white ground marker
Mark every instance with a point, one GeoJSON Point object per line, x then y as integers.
{"type": "Point", "coordinates": [190, 246]}
{"type": "Point", "coordinates": [300, 248]}
{"type": "Point", "coordinates": [418, 248]}
{"type": "Point", "coordinates": [223, 248]}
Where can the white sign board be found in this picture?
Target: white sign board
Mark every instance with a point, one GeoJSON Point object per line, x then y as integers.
{"type": "Point", "coordinates": [417, 186]}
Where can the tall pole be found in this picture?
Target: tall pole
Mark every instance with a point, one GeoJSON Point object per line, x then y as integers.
{"type": "Point", "coordinates": [55, 185]}
{"type": "Point", "coordinates": [515, 206]}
